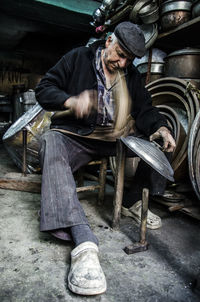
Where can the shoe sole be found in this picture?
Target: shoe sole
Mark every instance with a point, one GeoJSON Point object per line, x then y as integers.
{"type": "Point", "coordinates": [85, 291]}
{"type": "Point", "coordinates": [149, 226]}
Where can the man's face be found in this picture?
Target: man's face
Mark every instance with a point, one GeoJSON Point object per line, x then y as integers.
{"type": "Point", "coordinates": [115, 57]}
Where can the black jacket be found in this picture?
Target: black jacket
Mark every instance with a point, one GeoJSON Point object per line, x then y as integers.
{"type": "Point", "coordinates": [74, 73]}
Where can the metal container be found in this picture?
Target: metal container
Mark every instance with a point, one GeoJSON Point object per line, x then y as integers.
{"type": "Point", "coordinates": [150, 32]}
{"type": "Point", "coordinates": [183, 63]}
{"type": "Point", "coordinates": [175, 13]}
{"type": "Point", "coordinates": [134, 14]}
{"type": "Point", "coordinates": [149, 13]}
{"type": "Point", "coordinates": [156, 71]}
{"type": "Point", "coordinates": [157, 64]}
{"type": "Point", "coordinates": [196, 8]}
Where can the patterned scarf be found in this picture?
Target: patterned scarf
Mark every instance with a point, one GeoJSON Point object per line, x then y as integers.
{"type": "Point", "coordinates": [106, 102]}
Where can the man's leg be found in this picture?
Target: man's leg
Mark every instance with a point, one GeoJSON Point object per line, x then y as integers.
{"type": "Point", "coordinates": [61, 156]}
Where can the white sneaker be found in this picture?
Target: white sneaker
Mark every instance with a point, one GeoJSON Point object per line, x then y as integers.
{"type": "Point", "coordinates": [153, 221]}
{"type": "Point", "coordinates": [86, 276]}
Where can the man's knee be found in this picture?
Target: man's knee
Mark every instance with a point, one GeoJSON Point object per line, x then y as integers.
{"type": "Point", "coordinates": [49, 141]}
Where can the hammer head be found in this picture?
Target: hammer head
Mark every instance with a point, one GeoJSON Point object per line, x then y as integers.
{"type": "Point", "coordinates": [136, 247]}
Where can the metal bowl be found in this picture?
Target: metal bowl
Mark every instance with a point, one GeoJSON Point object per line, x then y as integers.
{"type": "Point", "coordinates": [149, 13]}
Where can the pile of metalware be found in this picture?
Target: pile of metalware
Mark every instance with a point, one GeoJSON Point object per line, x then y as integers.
{"type": "Point", "coordinates": [166, 13]}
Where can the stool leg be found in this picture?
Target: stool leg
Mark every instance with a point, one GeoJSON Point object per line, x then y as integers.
{"type": "Point", "coordinates": [119, 183]}
{"type": "Point", "coordinates": [102, 180]}
{"type": "Point", "coordinates": [24, 157]}
{"type": "Point", "coordinates": [80, 177]}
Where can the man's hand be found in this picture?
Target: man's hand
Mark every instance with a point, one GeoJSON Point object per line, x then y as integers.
{"type": "Point", "coordinates": [82, 104]}
{"type": "Point", "coordinates": [164, 133]}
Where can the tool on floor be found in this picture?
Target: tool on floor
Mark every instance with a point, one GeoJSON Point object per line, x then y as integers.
{"type": "Point", "coordinates": [142, 245]}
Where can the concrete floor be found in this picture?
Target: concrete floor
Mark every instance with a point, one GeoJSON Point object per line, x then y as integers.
{"type": "Point", "coordinates": [34, 265]}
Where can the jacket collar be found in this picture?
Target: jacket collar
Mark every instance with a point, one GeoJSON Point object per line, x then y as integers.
{"type": "Point", "coordinates": [93, 46]}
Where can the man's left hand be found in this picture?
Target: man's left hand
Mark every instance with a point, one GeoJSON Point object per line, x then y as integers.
{"type": "Point", "coordinates": [168, 141]}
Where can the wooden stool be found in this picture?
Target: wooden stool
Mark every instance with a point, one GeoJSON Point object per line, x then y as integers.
{"type": "Point", "coordinates": [101, 179]}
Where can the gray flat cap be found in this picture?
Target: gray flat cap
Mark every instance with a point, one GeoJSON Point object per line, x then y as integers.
{"type": "Point", "coordinates": [131, 38]}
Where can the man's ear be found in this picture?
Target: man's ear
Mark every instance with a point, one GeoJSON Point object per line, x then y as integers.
{"type": "Point", "coordinates": [108, 41]}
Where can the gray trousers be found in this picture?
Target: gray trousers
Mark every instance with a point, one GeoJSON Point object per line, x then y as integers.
{"type": "Point", "coordinates": [60, 156]}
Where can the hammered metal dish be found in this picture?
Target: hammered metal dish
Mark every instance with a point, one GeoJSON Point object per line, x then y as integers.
{"type": "Point", "coordinates": [151, 154]}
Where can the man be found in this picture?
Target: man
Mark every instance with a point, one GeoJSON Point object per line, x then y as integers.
{"type": "Point", "coordinates": [81, 86]}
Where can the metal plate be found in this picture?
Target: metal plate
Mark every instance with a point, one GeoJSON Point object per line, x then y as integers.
{"type": "Point", "coordinates": [151, 154]}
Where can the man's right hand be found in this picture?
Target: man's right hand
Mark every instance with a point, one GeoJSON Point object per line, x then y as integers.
{"type": "Point", "coordinates": [82, 104]}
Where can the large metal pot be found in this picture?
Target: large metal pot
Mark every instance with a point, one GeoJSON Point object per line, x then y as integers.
{"type": "Point", "coordinates": [183, 63]}
{"type": "Point", "coordinates": [175, 13]}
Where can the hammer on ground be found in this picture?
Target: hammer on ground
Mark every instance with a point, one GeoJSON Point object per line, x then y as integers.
{"type": "Point", "coordinates": [142, 245]}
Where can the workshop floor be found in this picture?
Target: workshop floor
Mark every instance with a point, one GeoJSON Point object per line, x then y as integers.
{"type": "Point", "coordinates": [34, 265]}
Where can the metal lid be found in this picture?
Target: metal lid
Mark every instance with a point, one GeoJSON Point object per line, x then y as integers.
{"type": "Point", "coordinates": [151, 154]}
{"type": "Point", "coordinates": [185, 51]}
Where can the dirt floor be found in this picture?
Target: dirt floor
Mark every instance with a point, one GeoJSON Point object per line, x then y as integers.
{"type": "Point", "coordinates": [34, 265]}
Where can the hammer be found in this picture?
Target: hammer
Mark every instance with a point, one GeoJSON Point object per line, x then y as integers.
{"type": "Point", "coordinates": [142, 245]}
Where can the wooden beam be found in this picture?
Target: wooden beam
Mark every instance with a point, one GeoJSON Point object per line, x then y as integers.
{"type": "Point", "coordinates": [18, 182]}
{"type": "Point", "coordinates": [31, 183]}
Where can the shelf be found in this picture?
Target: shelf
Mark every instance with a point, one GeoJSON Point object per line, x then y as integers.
{"type": "Point", "coordinates": [185, 35]}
